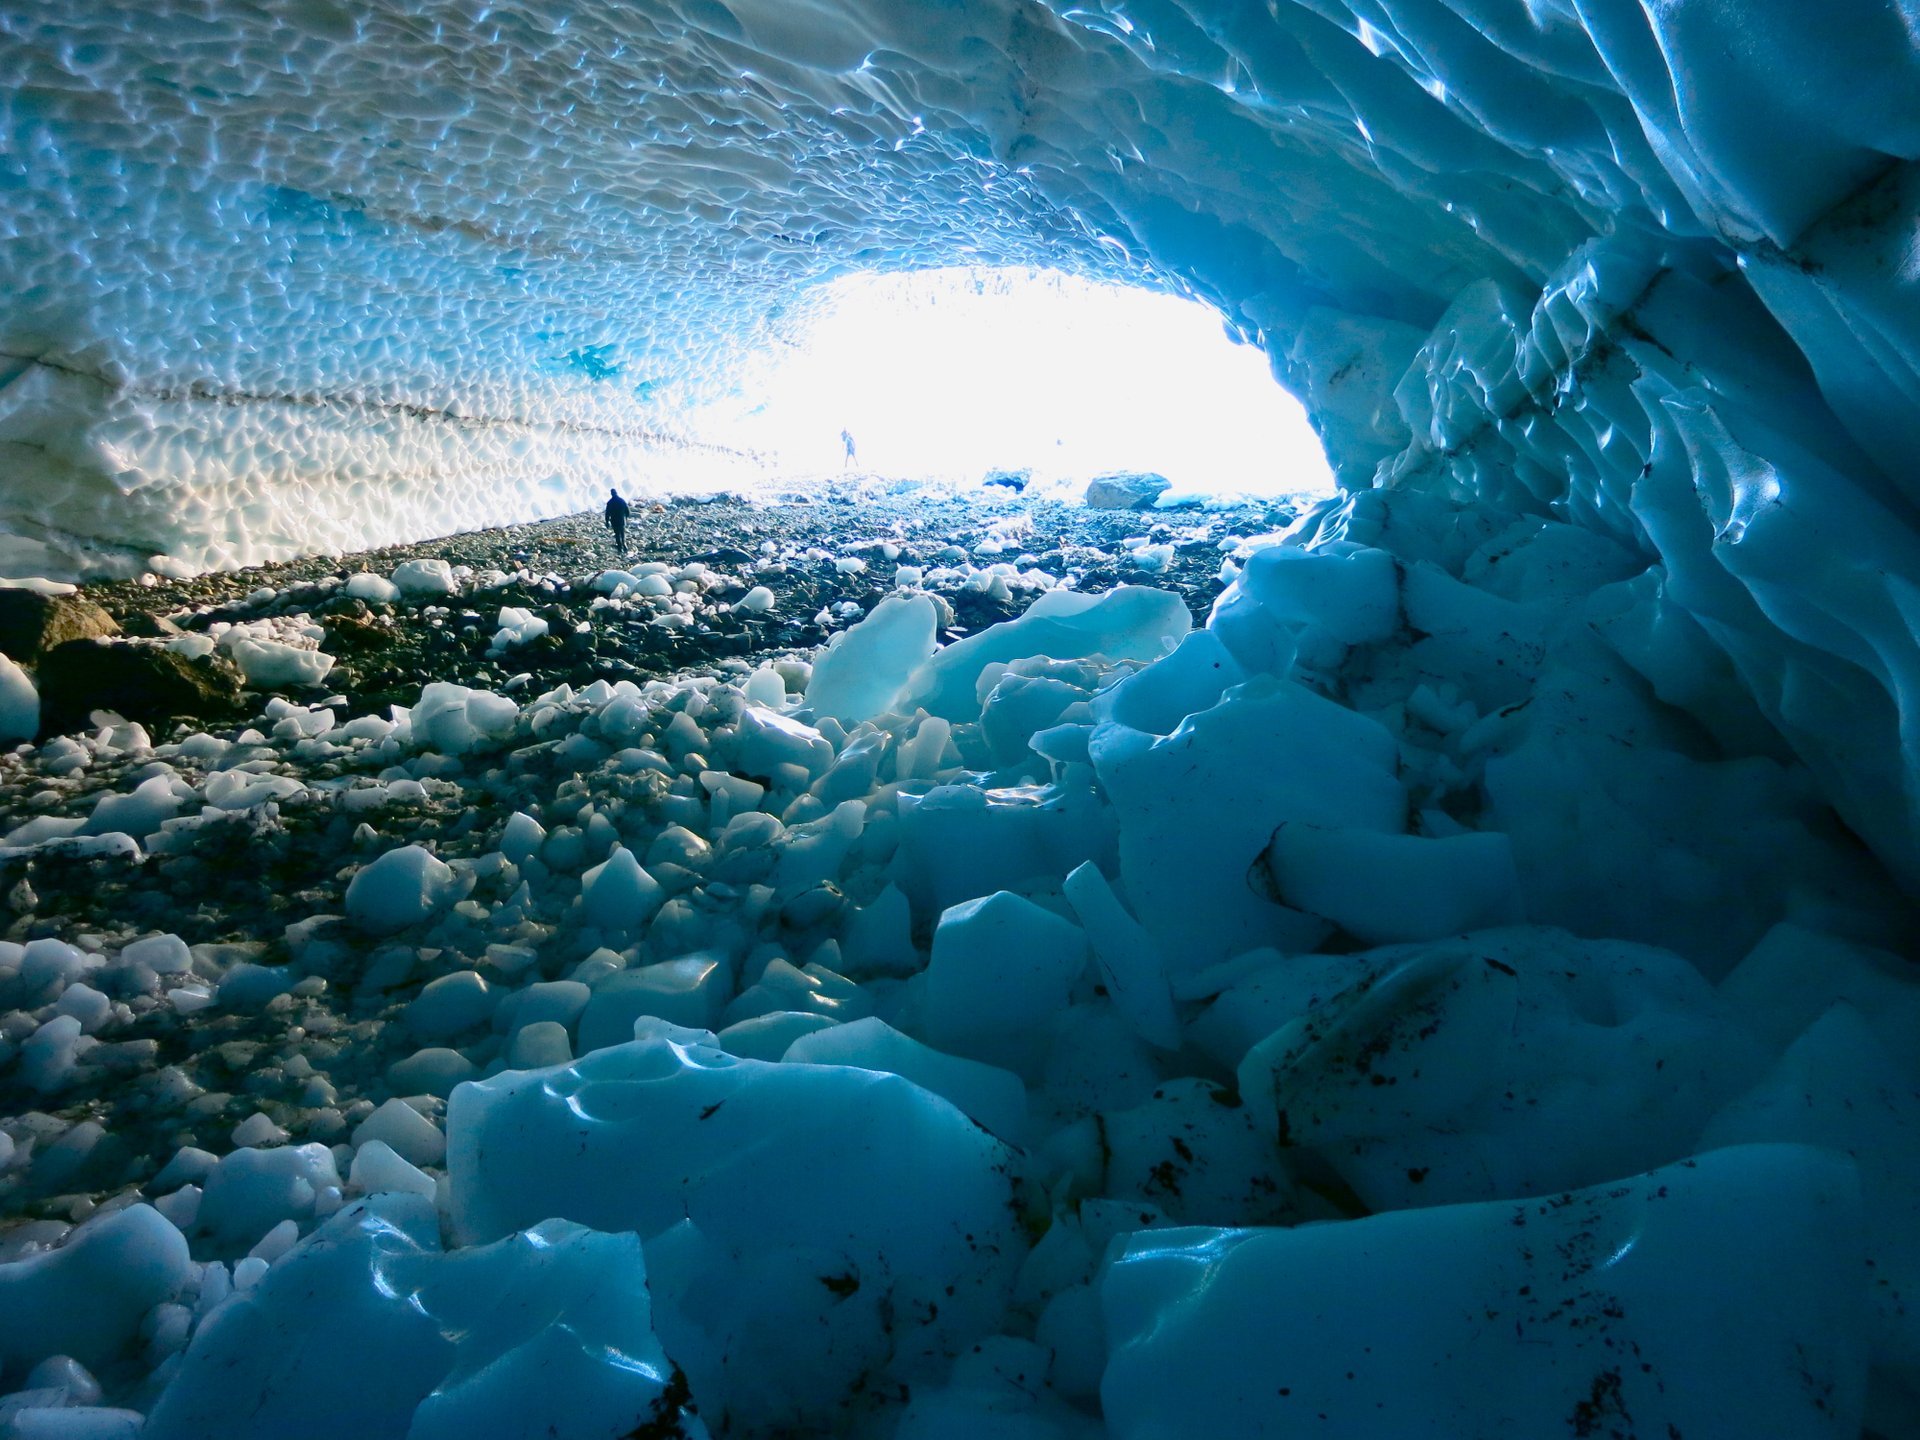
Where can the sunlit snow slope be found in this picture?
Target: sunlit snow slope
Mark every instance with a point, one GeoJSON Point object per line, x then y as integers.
{"type": "Point", "coordinates": [286, 275]}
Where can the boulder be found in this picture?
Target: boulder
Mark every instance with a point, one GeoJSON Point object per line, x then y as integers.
{"type": "Point", "coordinates": [150, 627]}
{"type": "Point", "coordinates": [351, 634]}
{"type": "Point", "coordinates": [1126, 490]}
{"type": "Point", "coordinates": [140, 680]}
{"type": "Point", "coordinates": [31, 624]}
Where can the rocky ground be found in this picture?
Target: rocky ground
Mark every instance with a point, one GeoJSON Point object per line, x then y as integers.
{"type": "Point", "coordinates": [231, 889]}
{"type": "Point", "coordinates": [790, 547]}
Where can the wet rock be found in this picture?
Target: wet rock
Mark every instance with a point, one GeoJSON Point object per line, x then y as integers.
{"type": "Point", "coordinates": [140, 680]}
{"type": "Point", "coordinates": [31, 624]}
{"type": "Point", "coordinates": [1126, 490]}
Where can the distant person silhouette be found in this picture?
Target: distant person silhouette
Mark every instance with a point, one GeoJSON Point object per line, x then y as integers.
{"type": "Point", "coordinates": [846, 439]}
{"type": "Point", "coordinates": [616, 516]}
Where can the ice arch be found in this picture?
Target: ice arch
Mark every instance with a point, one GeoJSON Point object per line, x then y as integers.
{"type": "Point", "coordinates": [299, 272]}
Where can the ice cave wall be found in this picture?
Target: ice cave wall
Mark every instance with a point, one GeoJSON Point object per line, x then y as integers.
{"type": "Point", "coordinates": [300, 273]}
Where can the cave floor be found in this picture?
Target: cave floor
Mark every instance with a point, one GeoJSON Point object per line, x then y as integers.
{"type": "Point", "coordinates": [790, 547]}
{"type": "Point", "coordinates": [239, 885]}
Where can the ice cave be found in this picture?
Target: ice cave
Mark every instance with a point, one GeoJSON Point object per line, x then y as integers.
{"type": "Point", "coordinates": [1143, 958]}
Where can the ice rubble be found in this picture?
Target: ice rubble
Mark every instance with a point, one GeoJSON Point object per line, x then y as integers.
{"type": "Point", "coordinates": [1030, 1065]}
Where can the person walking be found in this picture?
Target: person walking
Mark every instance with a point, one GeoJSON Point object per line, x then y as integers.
{"type": "Point", "coordinates": [616, 518]}
{"type": "Point", "coordinates": [846, 439]}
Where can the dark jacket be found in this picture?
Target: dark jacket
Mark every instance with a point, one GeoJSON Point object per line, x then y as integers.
{"type": "Point", "coordinates": [617, 510]}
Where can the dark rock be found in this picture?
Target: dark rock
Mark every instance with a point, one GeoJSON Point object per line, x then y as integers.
{"type": "Point", "coordinates": [31, 624]}
{"type": "Point", "coordinates": [355, 635]}
{"type": "Point", "coordinates": [149, 627]}
{"type": "Point", "coordinates": [1014, 480]}
{"type": "Point", "coordinates": [1126, 490]}
{"type": "Point", "coordinates": [137, 679]}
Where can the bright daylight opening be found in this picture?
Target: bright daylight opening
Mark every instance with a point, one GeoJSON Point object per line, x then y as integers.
{"type": "Point", "coordinates": [952, 374]}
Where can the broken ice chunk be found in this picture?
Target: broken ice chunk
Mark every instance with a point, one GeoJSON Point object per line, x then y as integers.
{"type": "Point", "coordinates": [545, 1332]}
{"type": "Point", "coordinates": [1129, 622]}
{"type": "Point", "coordinates": [1382, 889]}
{"type": "Point", "coordinates": [1506, 1062]}
{"type": "Point", "coordinates": [689, 991]}
{"type": "Point", "coordinates": [374, 589]}
{"type": "Point", "coordinates": [993, 1097]}
{"type": "Point", "coordinates": [401, 888]}
{"type": "Point", "coordinates": [805, 1203]}
{"type": "Point", "coordinates": [517, 626]}
{"type": "Point", "coordinates": [1840, 1088]}
{"type": "Point", "coordinates": [618, 894]}
{"type": "Point", "coordinates": [87, 1298]}
{"type": "Point", "coordinates": [454, 720]}
{"type": "Point", "coordinates": [1129, 963]}
{"type": "Point", "coordinates": [864, 670]}
{"type": "Point", "coordinates": [19, 703]}
{"type": "Point", "coordinates": [1721, 1297]}
{"type": "Point", "coordinates": [1001, 968]}
{"type": "Point", "coordinates": [426, 576]}
{"type": "Point", "coordinates": [1188, 862]}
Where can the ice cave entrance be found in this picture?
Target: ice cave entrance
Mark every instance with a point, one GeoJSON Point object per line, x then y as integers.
{"type": "Point", "coordinates": [954, 374]}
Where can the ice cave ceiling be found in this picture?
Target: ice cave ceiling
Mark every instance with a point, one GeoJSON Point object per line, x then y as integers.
{"type": "Point", "coordinates": [283, 276]}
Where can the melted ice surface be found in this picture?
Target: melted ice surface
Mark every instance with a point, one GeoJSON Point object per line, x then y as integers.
{"type": "Point", "coordinates": [310, 274]}
{"type": "Point", "coordinates": [285, 276]}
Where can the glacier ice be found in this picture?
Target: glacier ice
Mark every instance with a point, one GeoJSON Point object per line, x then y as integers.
{"type": "Point", "coordinates": [1066, 1031]}
{"type": "Point", "coordinates": [19, 703]}
{"type": "Point", "coordinates": [1584, 1314]}
{"type": "Point", "coordinates": [543, 1332]}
